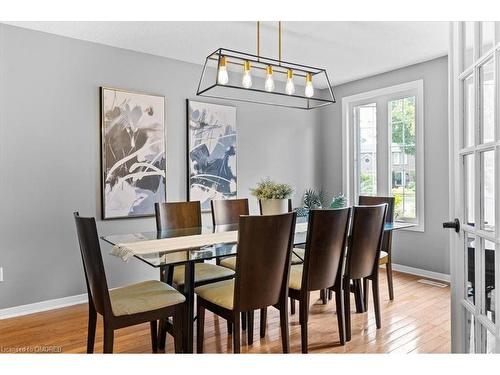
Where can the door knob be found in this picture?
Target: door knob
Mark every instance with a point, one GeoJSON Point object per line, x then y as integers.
{"type": "Point", "coordinates": [452, 224]}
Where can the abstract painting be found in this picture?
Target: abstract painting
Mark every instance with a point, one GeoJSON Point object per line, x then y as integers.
{"type": "Point", "coordinates": [133, 153]}
{"type": "Point", "coordinates": [212, 152]}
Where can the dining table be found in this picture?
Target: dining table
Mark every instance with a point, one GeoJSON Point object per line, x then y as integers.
{"type": "Point", "coordinates": [169, 248]}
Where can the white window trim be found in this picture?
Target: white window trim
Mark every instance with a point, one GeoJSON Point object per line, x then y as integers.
{"type": "Point", "coordinates": [348, 143]}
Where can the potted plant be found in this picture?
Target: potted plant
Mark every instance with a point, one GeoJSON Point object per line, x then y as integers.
{"type": "Point", "coordinates": [273, 196]}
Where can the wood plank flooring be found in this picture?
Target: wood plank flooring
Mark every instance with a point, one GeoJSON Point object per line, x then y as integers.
{"type": "Point", "coordinates": [417, 321]}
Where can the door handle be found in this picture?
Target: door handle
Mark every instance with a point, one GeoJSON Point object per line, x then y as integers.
{"type": "Point", "coordinates": [455, 224]}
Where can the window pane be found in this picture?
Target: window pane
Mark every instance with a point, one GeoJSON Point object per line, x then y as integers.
{"type": "Point", "coordinates": [489, 280]}
{"type": "Point", "coordinates": [488, 190]}
{"type": "Point", "coordinates": [468, 40]}
{"type": "Point", "coordinates": [469, 188]}
{"type": "Point", "coordinates": [468, 111]}
{"type": "Point", "coordinates": [470, 329]}
{"type": "Point", "coordinates": [470, 271]}
{"type": "Point", "coordinates": [367, 148]}
{"type": "Point", "coordinates": [403, 144]}
{"type": "Point", "coordinates": [487, 82]}
{"type": "Point", "coordinates": [487, 36]}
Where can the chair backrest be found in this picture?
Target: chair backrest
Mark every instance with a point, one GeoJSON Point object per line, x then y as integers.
{"type": "Point", "coordinates": [366, 200]}
{"type": "Point", "coordinates": [93, 266]}
{"type": "Point", "coordinates": [262, 212]}
{"type": "Point", "coordinates": [177, 215]}
{"type": "Point", "coordinates": [228, 211]}
{"type": "Point", "coordinates": [325, 248]}
{"type": "Point", "coordinates": [366, 240]}
{"type": "Point", "coordinates": [263, 262]}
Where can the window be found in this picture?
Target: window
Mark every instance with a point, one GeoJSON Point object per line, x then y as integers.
{"type": "Point", "coordinates": [383, 148]}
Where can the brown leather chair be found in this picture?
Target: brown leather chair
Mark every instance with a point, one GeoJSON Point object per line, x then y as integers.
{"type": "Point", "coordinates": [185, 215]}
{"type": "Point", "coordinates": [363, 255]}
{"type": "Point", "coordinates": [385, 254]}
{"type": "Point", "coordinates": [262, 271]}
{"type": "Point", "coordinates": [134, 304]}
{"type": "Point", "coordinates": [323, 264]}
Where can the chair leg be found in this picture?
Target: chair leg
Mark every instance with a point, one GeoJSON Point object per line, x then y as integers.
{"type": "Point", "coordinates": [154, 336]}
{"type": "Point", "coordinates": [108, 339]}
{"type": "Point", "coordinates": [250, 327]}
{"type": "Point", "coordinates": [236, 333]}
{"type": "Point", "coordinates": [304, 317]}
{"type": "Point", "coordinates": [292, 306]}
{"type": "Point", "coordinates": [358, 297]}
{"type": "Point", "coordinates": [347, 309]}
{"type": "Point", "coordinates": [200, 327]}
{"type": "Point", "coordinates": [162, 334]}
{"type": "Point", "coordinates": [323, 296]}
{"type": "Point", "coordinates": [330, 294]}
{"type": "Point", "coordinates": [229, 327]}
{"type": "Point", "coordinates": [177, 323]}
{"type": "Point", "coordinates": [285, 334]}
{"type": "Point", "coordinates": [91, 328]}
{"type": "Point", "coordinates": [388, 269]}
{"type": "Point", "coordinates": [244, 321]}
{"type": "Point", "coordinates": [376, 301]}
{"type": "Point", "coordinates": [263, 322]}
{"type": "Point", "coordinates": [365, 294]}
{"type": "Point", "coordinates": [340, 315]}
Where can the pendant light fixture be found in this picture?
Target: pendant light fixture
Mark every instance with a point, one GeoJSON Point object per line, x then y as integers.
{"type": "Point", "coordinates": [259, 79]}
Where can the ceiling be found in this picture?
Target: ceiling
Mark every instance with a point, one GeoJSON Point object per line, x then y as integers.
{"type": "Point", "coordinates": [348, 50]}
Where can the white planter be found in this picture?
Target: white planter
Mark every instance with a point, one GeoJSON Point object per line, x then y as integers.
{"type": "Point", "coordinates": [274, 206]}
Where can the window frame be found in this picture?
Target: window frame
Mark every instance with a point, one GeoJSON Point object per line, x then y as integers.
{"type": "Point", "coordinates": [349, 143]}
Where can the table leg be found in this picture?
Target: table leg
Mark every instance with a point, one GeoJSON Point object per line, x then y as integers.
{"type": "Point", "coordinates": [187, 337]}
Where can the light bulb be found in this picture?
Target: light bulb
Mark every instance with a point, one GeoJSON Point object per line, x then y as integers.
{"type": "Point", "coordinates": [246, 82]}
{"type": "Point", "coordinates": [269, 85]}
{"type": "Point", "coordinates": [290, 87]}
{"type": "Point", "coordinates": [223, 77]}
{"type": "Point", "coordinates": [309, 91]}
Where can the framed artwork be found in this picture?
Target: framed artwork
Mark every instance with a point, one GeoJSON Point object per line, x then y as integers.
{"type": "Point", "coordinates": [212, 152]}
{"type": "Point", "coordinates": [133, 153]}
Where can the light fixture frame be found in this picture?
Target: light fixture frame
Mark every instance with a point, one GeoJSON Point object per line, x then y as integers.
{"type": "Point", "coordinates": [234, 57]}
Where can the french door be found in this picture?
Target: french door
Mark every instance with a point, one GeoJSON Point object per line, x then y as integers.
{"type": "Point", "coordinates": [474, 67]}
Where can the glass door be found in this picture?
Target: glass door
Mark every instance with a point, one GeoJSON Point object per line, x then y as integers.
{"type": "Point", "coordinates": [474, 188]}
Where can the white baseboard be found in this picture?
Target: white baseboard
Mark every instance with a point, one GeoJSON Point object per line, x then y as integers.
{"type": "Point", "coordinates": [52, 304]}
{"type": "Point", "coordinates": [420, 272]}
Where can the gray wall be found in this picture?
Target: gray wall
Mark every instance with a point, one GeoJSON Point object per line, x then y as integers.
{"type": "Point", "coordinates": [49, 153]}
{"type": "Point", "coordinates": [428, 250]}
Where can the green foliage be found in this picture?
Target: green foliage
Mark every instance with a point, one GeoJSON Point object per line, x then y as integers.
{"type": "Point", "coordinates": [403, 124]}
{"type": "Point", "coordinates": [314, 199]}
{"type": "Point", "coordinates": [367, 183]}
{"type": "Point", "coordinates": [338, 201]}
{"type": "Point", "coordinates": [268, 189]}
{"type": "Point", "coordinates": [301, 211]}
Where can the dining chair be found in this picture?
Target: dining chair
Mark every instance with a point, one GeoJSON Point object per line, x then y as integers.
{"type": "Point", "coordinates": [386, 253]}
{"type": "Point", "coordinates": [147, 301]}
{"type": "Point", "coordinates": [362, 256]}
{"type": "Point", "coordinates": [228, 212]}
{"type": "Point", "coordinates": [177, 216]}
{"type": "Point", "coordinates": [297, 253]}
{"type": "Point", "coordinates": [262, 272]}
{"type": "Point", "coordinates": [327, 233]}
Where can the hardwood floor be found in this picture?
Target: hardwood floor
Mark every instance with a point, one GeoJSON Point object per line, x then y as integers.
{"type": "Point", "coordinates": [417, 321]}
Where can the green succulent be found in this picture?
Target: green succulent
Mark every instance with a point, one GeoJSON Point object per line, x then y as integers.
{"type": "Point", "coordinates": [338, 201]}
{"type": "Point", "coordinates": [314, 199]}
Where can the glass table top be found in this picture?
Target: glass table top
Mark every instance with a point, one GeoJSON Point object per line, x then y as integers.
{"type": "Point", "coordinates": [173, 257]}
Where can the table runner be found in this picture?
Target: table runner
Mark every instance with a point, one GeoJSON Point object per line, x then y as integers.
{"type": "Point", "coordinates": [127, 250]}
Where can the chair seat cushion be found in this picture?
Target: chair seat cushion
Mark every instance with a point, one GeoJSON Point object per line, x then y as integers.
{"type": "Point", "coordinates": [142, 297]}
{"type": "Point", "coordinates": [229, 263]}
{"type": "Point", "coordinates": [202, 272]}
{"type": "Point", "coordinates": [298, 255]}
{"type": "Point", "coordinates": [220, 293]}
{"type": "Point", "coordinates": [384, 257]}
{"type": "Point", "coordinates": [295, 281]}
